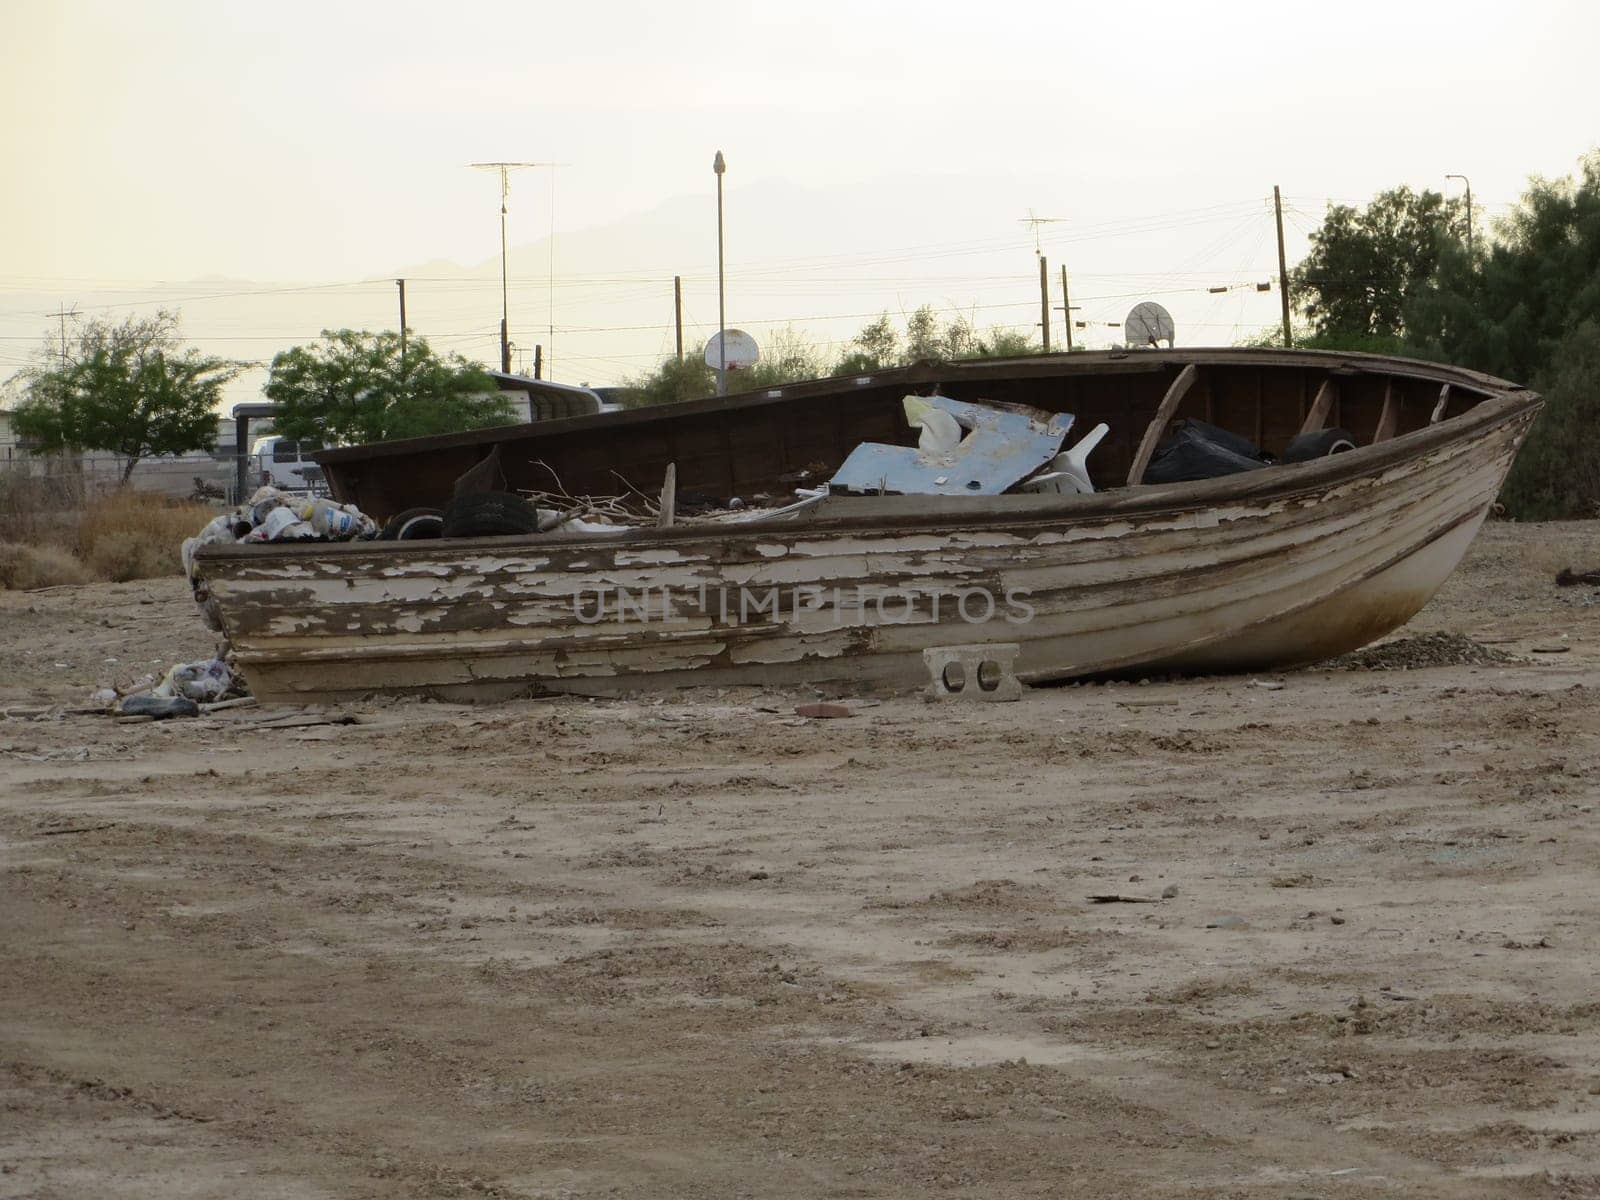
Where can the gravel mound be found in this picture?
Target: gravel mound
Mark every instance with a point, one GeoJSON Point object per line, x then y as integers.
{"type": "Point", "coordinates": [1428, 650]}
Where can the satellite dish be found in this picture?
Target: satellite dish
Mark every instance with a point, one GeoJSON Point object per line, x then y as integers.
{"type": "Point", "coordinates": [1148, 325]}
{"type": "Point", "coordinates": [742, 350]}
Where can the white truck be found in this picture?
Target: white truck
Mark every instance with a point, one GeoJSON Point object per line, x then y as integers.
{"type": "Point", "coordinates": [287, 465]}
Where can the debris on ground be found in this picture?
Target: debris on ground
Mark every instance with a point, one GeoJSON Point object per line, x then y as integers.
{"type": "Point", "coordinates": [824, 711]}
{"type": "Point", "coordinates": [1567, 577]}
{"type": "Point", "coordinates": [1427, 650]}
{"type": "Point", "coordinates": [206, 681]}
{"type": "Point", "coordinates": [158, 708]}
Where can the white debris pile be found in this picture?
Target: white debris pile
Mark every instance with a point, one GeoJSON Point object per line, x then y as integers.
{"type": "Point", "coordinates": [276, 516]}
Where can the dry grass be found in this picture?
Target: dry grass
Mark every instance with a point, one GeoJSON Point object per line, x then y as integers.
{"type": "Point", "coordinates": [50, 535]}
{"type": "Point", "coordinates": [23, 566]}
{"type": "Point", "coordinates": [136, 535]}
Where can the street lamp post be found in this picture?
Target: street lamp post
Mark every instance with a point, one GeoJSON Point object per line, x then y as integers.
{"type": "Point", "coordinates": [1468, 183]}
{"type": "Point", "coordinates": [719, 166]}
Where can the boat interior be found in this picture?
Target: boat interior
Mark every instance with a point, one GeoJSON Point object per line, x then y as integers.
{"type": "Point", "coordinates": [761, 445]}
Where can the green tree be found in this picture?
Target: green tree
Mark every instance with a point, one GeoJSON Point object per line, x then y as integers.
{"type": "Point", "coordinates": [1508, 311]}
{"type": "Point", "coordinates": [875, 348]}
{"type": "Point", "coordinates": [356, 386]}
{"type": "Point", "coordinates": [131, 389]}
{"type": "Point", "coordinates": [1000, 342]}
{"type": "Point", "coordinates": [878, 345]}
{"type": "Point", "coordinates": [1557, 472]}
{"type": "Point", "coordinates": [787, 357]}
{"type": "Point", "coordinates": [924, 338]}
{"type": "Point", "coordinates": [672, 382]}
{"type": "Point", "coordinates": [1271, 337]}
{"type": "Point", "coordinates": [1366, 265]}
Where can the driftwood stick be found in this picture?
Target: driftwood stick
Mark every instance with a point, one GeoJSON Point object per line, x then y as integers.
{"type": "Point", "coordinates": [1158, 423]}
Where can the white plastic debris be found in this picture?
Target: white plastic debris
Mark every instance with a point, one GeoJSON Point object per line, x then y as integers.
{"type": "Point", "coordinates": [1068, 472]}
{"type": "Point", "coordinates": [282, 524]}
{"type": "Point", "coordinates": [941, 432]}
{"type": "Point", "coordinates": [206, 680]}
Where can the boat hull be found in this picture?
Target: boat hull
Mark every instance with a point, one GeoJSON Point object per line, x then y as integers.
{"type": "Point", "coordinates": [1284, 566]}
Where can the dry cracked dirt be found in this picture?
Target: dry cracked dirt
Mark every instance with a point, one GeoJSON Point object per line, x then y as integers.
{"type": "Point", "coordinates": [704, 947]}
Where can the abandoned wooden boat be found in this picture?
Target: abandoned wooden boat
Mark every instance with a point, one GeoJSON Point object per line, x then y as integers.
{"type": "Point", "coordinates": [1284, 565]}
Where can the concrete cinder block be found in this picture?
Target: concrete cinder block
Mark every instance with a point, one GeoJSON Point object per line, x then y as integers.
{"type": "Point", "coordinates": [982, 672]}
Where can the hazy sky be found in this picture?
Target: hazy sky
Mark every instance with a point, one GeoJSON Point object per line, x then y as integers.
{"type": "Point", "coordinates": [880, 155]}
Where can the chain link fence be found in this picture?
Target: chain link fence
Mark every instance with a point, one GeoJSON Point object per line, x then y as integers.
{"type": "Point", "coordinates": [75, 478]}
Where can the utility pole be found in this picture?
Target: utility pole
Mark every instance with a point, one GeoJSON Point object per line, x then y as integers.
{"type": "Point", "coordinates": [1283, 270]}
{"type": "Point", "coordinates": [1066, 308]}
{"type": "Point", "coordinates": [1044, 301]}
{"type": "Point", "coordinates": [538, 361]}
{"type": "Point", "coordinates": [677, 311]}
{"type": "Point", "coordinates": [64, 312]}
{"type": "Point", "coordinates": [1468, 182]}
{"type": "Point", "coordinates": [401, 284]}
{"type": "Point", "coordinates": [719, 165]}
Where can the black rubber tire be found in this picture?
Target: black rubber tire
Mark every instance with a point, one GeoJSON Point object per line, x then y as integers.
{"type": "Point", "coordinates": [413, 525]}
{"type": "Point", "coordinates": [489, 514]}
{"type": "Point", "coordinates": [1309, 446]}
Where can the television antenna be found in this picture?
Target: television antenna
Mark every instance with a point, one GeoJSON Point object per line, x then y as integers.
{"type": "Point", "coordinates": [1037, 221]}
{"type": "Point", "coordinates": [505, 169]}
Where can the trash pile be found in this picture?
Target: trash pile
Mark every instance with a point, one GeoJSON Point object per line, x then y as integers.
{"type": "Point", "coordinates": [186, 690]}
{"type": "Point", "coordinates": [277, 516]}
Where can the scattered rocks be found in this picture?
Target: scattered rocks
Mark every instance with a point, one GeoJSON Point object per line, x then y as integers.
{"type": "Point", "coordinates": [1169, 892]}
{"type": "Point", "coordinates": [1426, 650]}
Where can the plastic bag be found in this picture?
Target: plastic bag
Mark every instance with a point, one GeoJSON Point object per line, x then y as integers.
{"type": "Point", "coordinates": [941, 432]}
{"type": "Point", "coordinates": [1198, 451]}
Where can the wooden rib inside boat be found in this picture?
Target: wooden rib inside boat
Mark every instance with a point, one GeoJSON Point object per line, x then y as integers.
{"type": "Point", "coordinates": [1272, 567]}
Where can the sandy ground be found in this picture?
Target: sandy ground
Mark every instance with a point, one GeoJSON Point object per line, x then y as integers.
{"type": "Point", "coordinates": [707, 948]}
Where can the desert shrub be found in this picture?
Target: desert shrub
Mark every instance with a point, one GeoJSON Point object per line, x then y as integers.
{"type": "Point", "coordinates": [23, 567]}
{"type": "Point", "coordinates": [121, 556]}
{"type": "Point", "coordinates": [37, 506]}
